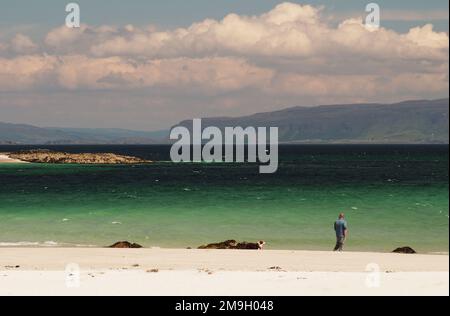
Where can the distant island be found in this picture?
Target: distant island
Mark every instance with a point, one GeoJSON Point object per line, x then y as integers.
{"type": "Point", "coordinates": [23, 134]}
{"type": "Point", "coordinates": [410, 122]}
{"type": "Point", "coordinates": [47, 156]}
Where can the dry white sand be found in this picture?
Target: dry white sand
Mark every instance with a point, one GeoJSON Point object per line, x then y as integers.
{"type": "Point", "coordinates": [4, 158]}
{"type": "Point", "coordinates": [81, 271]}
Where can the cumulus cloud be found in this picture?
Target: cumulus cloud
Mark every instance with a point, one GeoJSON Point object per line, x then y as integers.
{"type": "Point", "coordinates": [291, 50]}
{"type": "Point", "coordinates": [25, 72]}
{"type": "Point", "coordinates": [82, 72]}
{"type": "Point", "coordinates": [22, 44]}
{"type": "Point", "coordinates": [289, 30]}
{"type": "Point", "coordinates": [426, 37]}
{"type": "Point", "coordinates": [19, 44]}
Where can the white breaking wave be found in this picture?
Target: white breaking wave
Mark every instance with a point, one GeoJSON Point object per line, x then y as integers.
{"type": "Point", "coordinates": [29, 243]}
{"type": "Point", "coordinates": [41, 244]}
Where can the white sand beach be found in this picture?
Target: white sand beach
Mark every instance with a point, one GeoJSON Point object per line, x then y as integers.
{"type": "Point", "coordinates": [4, 158]}
{"type": "Point", "coordinates": [89, 271]}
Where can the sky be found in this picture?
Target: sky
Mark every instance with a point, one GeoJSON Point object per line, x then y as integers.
{"type": "Point", "coordinates": [149, 64]}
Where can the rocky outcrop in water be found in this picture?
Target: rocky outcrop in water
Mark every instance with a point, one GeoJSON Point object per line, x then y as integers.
{"type": "Point", "coordinates": [251, 245]}
{"type": "Point", "coordinates": [125, 244]}
{"type": "Point", "coordinates": [228, 244]}
{"type": "Point", "coordinates": [47, 156]}
{"type": "Point", "coordinates": [406, 250]}
{"type": "Point", "coordinates": [233, 244]}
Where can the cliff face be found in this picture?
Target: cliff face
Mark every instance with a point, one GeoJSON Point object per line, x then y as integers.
{"type": "Point", "coordinates": [44, 156]}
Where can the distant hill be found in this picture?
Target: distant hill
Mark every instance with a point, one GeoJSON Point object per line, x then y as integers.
{"type": "Point", "coordinates": [408, 122]}
{"type": "Point", "coordinates": [28, 134]}
{"type": "Point", "coordinates": [411, 122]}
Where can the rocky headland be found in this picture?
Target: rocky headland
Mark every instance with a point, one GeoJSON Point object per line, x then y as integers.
{"type": "Point", "coordinates": [47, 156]}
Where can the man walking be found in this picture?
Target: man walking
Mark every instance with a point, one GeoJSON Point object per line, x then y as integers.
{"type": "Point", "coordinates": [341, 229]}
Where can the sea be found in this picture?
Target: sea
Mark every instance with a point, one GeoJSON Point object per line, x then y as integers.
{"type": "Point", "coordinates": [392, 195]}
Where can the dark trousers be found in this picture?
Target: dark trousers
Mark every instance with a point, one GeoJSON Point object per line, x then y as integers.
{"type": "Point", "coordinates": [339, 244]}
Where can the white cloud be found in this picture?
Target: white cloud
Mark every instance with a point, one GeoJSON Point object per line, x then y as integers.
{"type": "Point", "coordinates": [289, 30]}
{"type": "Point", "coordinates": [22, 44]}
{"type": "Point", "coordinates": [81, 72]}
{"type": "Point", "coordinates": [25, 72]}
{"type": "Point", "coordinates": [64, 36]}
{"type": "Point", "coordinates": [289, 51]}
{"type": "Point", "coordinates": [19, 44]}
{"type": "Point", "coordinates": [426, 37]}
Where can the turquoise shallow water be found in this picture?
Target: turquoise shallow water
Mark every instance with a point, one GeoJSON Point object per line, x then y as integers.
{"type": "Point", "coordinates": [393, 196]}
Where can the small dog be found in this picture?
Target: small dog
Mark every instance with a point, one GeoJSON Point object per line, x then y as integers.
{"type": "Point", "coordinates": [261, 244]}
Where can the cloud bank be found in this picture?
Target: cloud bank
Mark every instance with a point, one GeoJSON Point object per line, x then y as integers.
{"type": "Point", "coordinates": [289, 53]}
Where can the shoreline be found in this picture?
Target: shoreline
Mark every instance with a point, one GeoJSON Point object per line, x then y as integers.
{"type": "Point", "coordinates": [4, 158]}
{"type": "Point", "coordinates": [51, 258]}
{"type": "Point", "coordinates": [153, 272]}
{"type": "Point", "coordinates": [63, 245]}
{"type": "Point", "coordinates": [56, 245]}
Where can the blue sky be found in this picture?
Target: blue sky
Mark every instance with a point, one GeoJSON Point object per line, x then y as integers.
{"type": "Point", "coordinates": [172, 13]}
